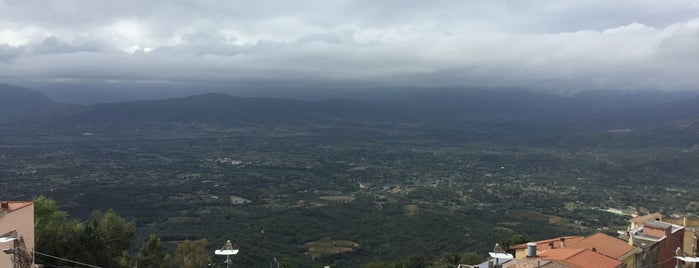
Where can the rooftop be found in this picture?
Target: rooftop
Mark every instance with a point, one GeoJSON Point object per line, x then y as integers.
{"type": "Point", "coordinates": [675, 227]}
{"type": "Point", "coordinates": [544, 244]}
{"type": "Point", "coordinates": [650, 217]}
{"type": "Point", "coordinates": [532, 263]}
{"type": "Point", "coordinates": [640, 238]}
{"type": "Point", "coordinates": [604, 244]}
{"type": "Point", "coordinates": [657, 224]}
{"type": "Point", "coordinates": [582, 258]}
{"type": "Point", "coordinates": [10, 206]}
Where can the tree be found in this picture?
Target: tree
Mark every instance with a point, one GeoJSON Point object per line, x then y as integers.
{"type": "Point", "coordinates": [191, 254]}
{"type": "Point", "coordinates": [52, 230]}
{"type": "Point", "coordinates": [98, 241]}
{"type": "Point", "coordinates": [125, 260]}
{"type": "Point", "coordinates": [453, 259]}
{"type": "Point", "coordinates": [102, 239]}
{"type": "Point", "coordinates": [375, 264]}
{"type": "Point", "coordinates": [114, 232]}
{"type": "Point", "coordinates": [152, 254]}
{"type": "Point", "coordinates": [414, 262]}
{"type": "Point", "coordinates": [470, 258]}
{"type": "Point", "coordinates": [515, 239]}
{"type": "Point", "coordinates": [446, 260]}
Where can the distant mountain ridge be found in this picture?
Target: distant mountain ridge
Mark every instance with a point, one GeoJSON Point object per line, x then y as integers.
{"type": "Point", "coordinates": [18, 103]}
{"type": "Point", "coordinates": [647, 117]}
{"type": "Point", "coordinates": [633, 116]}
{"type": "Point", "coordinates": [223, 108]}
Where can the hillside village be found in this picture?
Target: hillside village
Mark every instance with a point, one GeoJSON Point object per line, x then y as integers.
{"type": "Point", "coordinates": [649, 241]}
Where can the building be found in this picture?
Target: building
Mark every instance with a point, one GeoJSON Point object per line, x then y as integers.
{"type": "Point", "coordinates": [572, 251]}
{"type": "Point", "coordinates": [611, 247]}
{"type": "Point", "coordinates": [562, 242]}
{"type": "Point", "coordinates": [691, 233]}
{"type": "Point", "coordinates": [534, 263]}
{"type": "Point", "coordinates": [661, 243]}
{"type": "Point", "coordinates": [580, 258]}
{"type": "Point", "coordinates": [16, 218]}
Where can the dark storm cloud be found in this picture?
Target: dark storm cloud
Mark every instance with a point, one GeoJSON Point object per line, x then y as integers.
{"type": "Point", "coordinates": [542, 44]}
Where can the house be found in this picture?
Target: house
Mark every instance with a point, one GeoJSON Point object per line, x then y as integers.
{"type": "Point", "coordinates": [639, 220]}
{"type": "Point", "coordinates": [691, 233]}
{"type": "Point", "coordinates": [562, 242]}
{"type": "Point", "coordinates": [611, 247]}
{"type": "Point", "coordinates": [661, 243]}
{"type": "Point", "coordinates": [580, 258]}
{"type": "Point", "coordinates": [16, 225]}
{"type": "Point", "coordinates": [533, 263]}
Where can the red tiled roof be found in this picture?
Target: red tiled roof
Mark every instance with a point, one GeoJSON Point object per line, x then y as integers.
{"type": "Point", "coordinates": [532, 263]}
{"type": "Point", "coordinates": [15, 205]}
{"type": "Point", "coordinates": [580, 258]}
{"type": "Point", "coordinates": [544, 244]}
{"type": "Point", "coordinates": [604, 244]}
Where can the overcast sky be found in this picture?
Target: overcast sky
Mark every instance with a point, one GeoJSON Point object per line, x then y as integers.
{"type": "Point", "coordinates": [555, 44]}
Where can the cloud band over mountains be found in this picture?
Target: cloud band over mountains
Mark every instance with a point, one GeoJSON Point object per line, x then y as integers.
{"type": "Point", "coordinates": [537, 44]}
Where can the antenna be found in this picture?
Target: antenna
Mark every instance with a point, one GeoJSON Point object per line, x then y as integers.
{"type": "Point", "coordinates": [227, 250]}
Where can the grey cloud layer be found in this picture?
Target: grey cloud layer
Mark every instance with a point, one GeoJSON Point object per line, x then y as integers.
{"type": "Point", "coordinates": [542, 44]}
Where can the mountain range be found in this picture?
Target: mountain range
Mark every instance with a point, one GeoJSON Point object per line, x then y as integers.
{"type": "Point", "coordinates": [18, 103]}
{"type": "Point", "coordinates": [587, 114]}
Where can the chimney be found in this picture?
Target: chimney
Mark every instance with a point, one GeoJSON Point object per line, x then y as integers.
{"type": "Point", "coordinates": [490, 264]}
{"type": "Point", "coordinates": [563, 242]}
{"type": "Point", "coordinates": [5, 206]}
{"type": "Point", "coordinates": [531, 250]}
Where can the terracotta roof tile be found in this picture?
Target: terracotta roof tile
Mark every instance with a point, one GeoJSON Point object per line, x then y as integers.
{"type": "Point", "coordinates": [605, 244]}
{"type": "Point", "coordinates": [544, 244]}
{"type": "Point", "coordinates": [580, 258]}
{"type": "Point", "coordinates": [15, 205]}
{"type": "Point", "coordinates": [533, 263]}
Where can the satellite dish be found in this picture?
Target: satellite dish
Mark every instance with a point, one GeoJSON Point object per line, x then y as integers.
{"type": "Point", "coordinates": [227, 249]}
{"type": "Point", "coordinates": [226, 252]}
{"type": "Point", "coordinates": [501, 255]}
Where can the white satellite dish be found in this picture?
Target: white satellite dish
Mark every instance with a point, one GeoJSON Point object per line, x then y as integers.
{"type": "Point", "coordinates": [226, 252]}
{"type": "Point", "coordinates": [501, 255]}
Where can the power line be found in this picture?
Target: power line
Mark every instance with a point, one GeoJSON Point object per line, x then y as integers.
{"type": "Point", "coordinates": [63, 259]}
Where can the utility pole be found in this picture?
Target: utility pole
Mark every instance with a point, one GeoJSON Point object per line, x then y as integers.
{"type": "Point", "coordinates": [14, 249]}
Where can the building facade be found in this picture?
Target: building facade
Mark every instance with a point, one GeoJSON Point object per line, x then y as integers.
{"type": "Point", "coordinates": [16, 218]}
{"type": "Point", "coordinates": [660, 241]}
